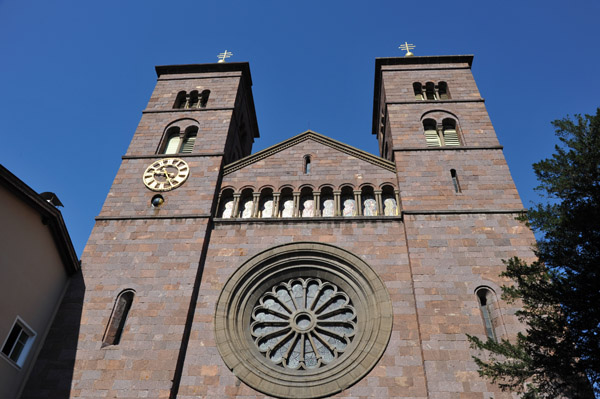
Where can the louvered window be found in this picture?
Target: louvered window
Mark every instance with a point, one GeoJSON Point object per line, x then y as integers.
{"type": "Point", "coordinates": [188, 144]}
{"type": "Point", "coordinates": [451, 137]}
{"type": "Point", "coordinates": [432, 138]}
{"type": "Point", "coordinates": [173, 145]}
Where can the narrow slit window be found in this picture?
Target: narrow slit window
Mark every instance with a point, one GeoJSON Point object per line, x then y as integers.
{"type": "Point", "coordinates": [307, 164]}
{"type": "Point", "coordinates": [118, 318]}
{"type": "Point", "coordinates": [484, 295]}
{"type": "Point", "coordinates": [455, 181]}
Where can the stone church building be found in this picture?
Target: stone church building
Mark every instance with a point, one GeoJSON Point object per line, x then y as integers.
{"type": "Point", "coordinates": [309, 269]}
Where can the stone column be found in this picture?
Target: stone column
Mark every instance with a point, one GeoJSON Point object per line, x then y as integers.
{"type": "Point", "coordinates": [379, 202]}
{"type": "Point", "coordinates": [397, 194]}
{"type": "Point", "coordinates": [255, 204]}
{"type": "Point", "coordinates": [358, 203]}
{"type": "Point", "coordinates": [336, 203]}
{"type": "Point", "coordinates": [275, 205]}
{"type": "Point", "coordinates": [296, 212]}
{"type": "Point", "coordinates": [317, 199]}
{"type": "Point", "coordinates": [236, 205]}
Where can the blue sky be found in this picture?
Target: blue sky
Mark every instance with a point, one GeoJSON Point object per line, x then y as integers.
{"type": "Point", "coordinates": [75, 75]}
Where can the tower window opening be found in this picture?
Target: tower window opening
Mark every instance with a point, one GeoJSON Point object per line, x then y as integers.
{"type": "Point", "coordinates": [450, 135]}
{"type": "Point", "coordinates": [178, 143]}
{"type": "Point", "coordinates": [180, 100]}
{"type": "Point", "coordinates": [193, 99]}
{"type": "Point", "coordinates": [307, 164]}
{"type": "Point", "coordinates": [430, 91]}
{"type": "Point", "coordinates": [418, 90]}
{"type": "Point", "coordinates": [431, 134]}
{"type": "Point", "coordinates": [116, 325]}
{"type": "Point", "coordinates": [445, 134]}
{"type": "Point", "coordinates": [204, 98]}
{"type": "Point", "coordinates": [443, 91]}
{"type": "Point", "coordinates": [485, 297]}
{"type": "Point", "coordinates": [455, 181]}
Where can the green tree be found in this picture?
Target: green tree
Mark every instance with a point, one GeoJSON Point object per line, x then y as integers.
{"type": "Point", "coordinates": [559, 353]}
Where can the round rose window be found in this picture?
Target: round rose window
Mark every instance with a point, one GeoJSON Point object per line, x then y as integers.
{"type": "Point", "coordinates": [303, 323]}
{"type": "Point", "coordinates": [303, 320]}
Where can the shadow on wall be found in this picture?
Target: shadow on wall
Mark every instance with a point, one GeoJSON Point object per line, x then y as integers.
{"type": "Point", "coordinates": [52, 373]}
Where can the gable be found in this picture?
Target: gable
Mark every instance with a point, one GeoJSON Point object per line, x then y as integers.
{"type": "Point", "coordinates": [316, 137]}
{"type": "Point", "coordinates": [332, 164]}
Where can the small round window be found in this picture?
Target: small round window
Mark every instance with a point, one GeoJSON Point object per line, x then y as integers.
{"type": "Point", "coordinates": [303, 320]}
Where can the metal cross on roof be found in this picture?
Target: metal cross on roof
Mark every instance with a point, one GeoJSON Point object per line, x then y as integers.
{"type": "Point", "coordinates": [407, 47]}
{"type": "Point", "coordinates": [224, 55]}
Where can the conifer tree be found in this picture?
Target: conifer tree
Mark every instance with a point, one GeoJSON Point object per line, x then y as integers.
{"type": "Point", "coordinates": [558, 355]}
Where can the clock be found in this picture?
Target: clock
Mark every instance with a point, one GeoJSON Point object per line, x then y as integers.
{"type": "Point", "coordinates": [166, 174]}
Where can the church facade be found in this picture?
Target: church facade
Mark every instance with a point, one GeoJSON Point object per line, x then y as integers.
{"type": "Point", "coordinates": [308, 269]}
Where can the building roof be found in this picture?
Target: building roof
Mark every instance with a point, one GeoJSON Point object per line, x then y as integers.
{"type": "Point", "coordinates": [50, 215]}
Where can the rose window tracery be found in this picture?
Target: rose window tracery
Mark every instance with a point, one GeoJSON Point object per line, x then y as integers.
{"type": "Point", "coordinates": [303, 323]}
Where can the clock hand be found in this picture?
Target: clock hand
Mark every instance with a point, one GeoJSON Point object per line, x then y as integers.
{"type": "Point", "coordinates": [167, 176]}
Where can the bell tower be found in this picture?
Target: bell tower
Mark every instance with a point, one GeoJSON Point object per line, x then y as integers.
{"type": "Point", "coordinates": [145, 256]}
{"type": "Point", "coordinates": [459, 205]}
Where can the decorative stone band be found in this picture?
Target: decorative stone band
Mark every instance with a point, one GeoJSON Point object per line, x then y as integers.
{"type": "Point", "coordinates": [303, 320]}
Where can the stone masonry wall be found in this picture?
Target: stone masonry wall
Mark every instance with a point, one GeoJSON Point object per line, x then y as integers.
{"type": "Point", "coordinates": [379, 243]}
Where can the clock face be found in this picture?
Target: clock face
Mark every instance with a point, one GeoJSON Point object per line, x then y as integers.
{"type": "Point", "coordinates": [166, 174]}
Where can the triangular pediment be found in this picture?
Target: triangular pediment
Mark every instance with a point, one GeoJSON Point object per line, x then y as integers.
{"type": "Point", "coordinates": [314, 136]}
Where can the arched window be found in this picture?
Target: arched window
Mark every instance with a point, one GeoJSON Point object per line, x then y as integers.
{"type": "Point", "coordinates": [430, 91]}
{"type": "Point", "coordinates": [327, 202]}
{"type": "Point", "coordinates": [443, 91]}
{"type": "Point", "coordinates": [265, 208]}
{"type": "Point", "coordinates": [390, 207]}
{"type": "Point", "coordinates": [418, 90]}
{"type": "Point", "coordinates": [431, 135]}
{"type": "Point", "coordinates": [307, 165]}
{"type": "Point", "coordinates": [246, 204]}
{"type": "Point", "coordinates": [485, 296]}
{"type": "Point", "coordinates": [173, 141]}
{"type": "Point", "coordinates": [193, 99]}
{"type": "Point", "coordinates": [204, 98]}
{"type": "Point", "coordinates": [369, 204]}
{"type": "Point", "coordinates": [114, 331]}
{"type": "Point", "coordinates": [348, 204]}
{"type": "Point", "coordinates": [307, 203]}
{"type": "Point", "coordinates": [449, 133]}
{"type": "Point", "coordinates": [455, 183]}
{"type": "Point", "coordinates": [189, 140]}
{"type": "Point", "coordinates": [226, 206]}
{"type": "Point", "coordinates": [286, 203]}
{"type": "Point", "coordinates": [180, 144]}
{"type": "Point", "coordinates": [180, 100]}
{"type": "Point", "coordinates": [446, 135]}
